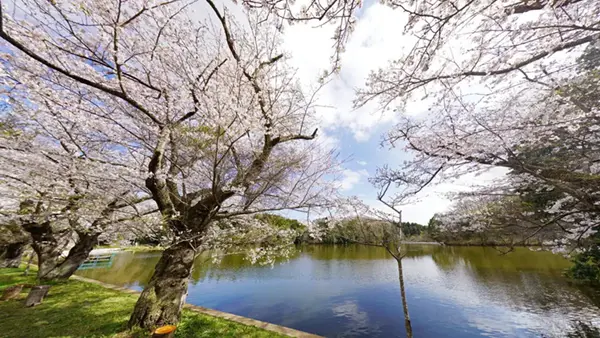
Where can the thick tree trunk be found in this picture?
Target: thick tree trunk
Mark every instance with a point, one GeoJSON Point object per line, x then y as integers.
{"type": "Point", "coordinates": [10, 255]}
{"type": "Point", "coordinates": [77, 255]}
{"type": "Point", "coordinates": [49, 243]}
{"type": "Point", "coordinates": [163, 298]}
{"type": "Point", "coordinates": [407, 324]}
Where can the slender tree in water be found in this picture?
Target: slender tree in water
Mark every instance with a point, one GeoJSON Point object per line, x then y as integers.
{"type": "Point", "coordinates": [398, 257]}
{"type": "Point", "coordinates": [375, 228]}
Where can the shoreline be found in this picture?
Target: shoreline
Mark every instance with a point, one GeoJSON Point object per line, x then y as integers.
{"type": "Point", "coordinates": [283, 330]}
{"type": "Point", "coordinates": [488, 245]}
{"type": "Point", "coordinates": [422, 243]}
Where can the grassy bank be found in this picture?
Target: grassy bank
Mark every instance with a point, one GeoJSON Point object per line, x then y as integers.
{"type": "Point", "coordinates": [493, 244]}
{"type": "Point", "coordinates": [134, 248]}
{"type": "Point", "coordinates": [78, 309]}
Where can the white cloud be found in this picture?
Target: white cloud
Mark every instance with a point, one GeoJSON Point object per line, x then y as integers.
{"type": "Point", "coordinates": [363, 163]}
{"type": "Point", "coordinates": [373, 43]}
{"type": "Point", "coordinates": [350, 178]}
{"type": "Point", "coordinates": [438, 198]}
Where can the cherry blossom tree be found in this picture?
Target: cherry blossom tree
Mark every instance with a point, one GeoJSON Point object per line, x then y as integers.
{"type": "Point", "coordinates": [545, 137]}
{"type": "Point", "coordinates": [260, 241]}
{"type": "Point", "coordinates": [209, 106]}
{"type": "Point", "coordinates": [63, 188]}
{"type": "Point", "coordinates": [500, 220]}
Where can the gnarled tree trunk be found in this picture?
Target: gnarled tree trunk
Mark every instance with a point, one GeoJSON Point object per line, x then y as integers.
{"type": "Point", "coordinates": [10, 254]}
{"type": "Point", "coordinates": [49, 243]}
{"type": "Point", "coordinates": [77, 255]}
{"type": "Point", "coordinates": [163, 298]}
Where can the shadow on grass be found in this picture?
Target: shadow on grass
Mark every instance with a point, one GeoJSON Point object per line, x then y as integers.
{"type": "Point", "coordinates": [12, 276]}
{"type": "Point", "coordinates": [71, 309]}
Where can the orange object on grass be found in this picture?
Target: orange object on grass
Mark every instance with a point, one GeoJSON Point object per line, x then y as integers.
{"type": "Point", "coordinates": [164, 331]}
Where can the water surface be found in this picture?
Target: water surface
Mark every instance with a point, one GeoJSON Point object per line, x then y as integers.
{"type": "Point", "coordinates": [353, 291]}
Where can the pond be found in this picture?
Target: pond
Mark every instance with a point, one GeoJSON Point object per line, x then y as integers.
{"type": "Point", "coordinates": [353, 291]}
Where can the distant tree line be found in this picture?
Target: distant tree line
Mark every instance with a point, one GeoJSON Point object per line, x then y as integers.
{"type": "Point", "coordinates": [353, 230]}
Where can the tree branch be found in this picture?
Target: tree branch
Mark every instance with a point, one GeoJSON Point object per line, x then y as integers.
{"type": "Point", "coordinates": [75, 77]}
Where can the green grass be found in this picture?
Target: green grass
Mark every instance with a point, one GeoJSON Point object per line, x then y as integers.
{"type": "Point", "coordinates": [78, 309]}
{"type": "Point", "coordinates": [142, 248]}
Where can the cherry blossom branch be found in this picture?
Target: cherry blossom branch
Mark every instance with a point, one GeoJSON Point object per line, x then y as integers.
{"type": "Point", "coordinates": [75, 77]}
